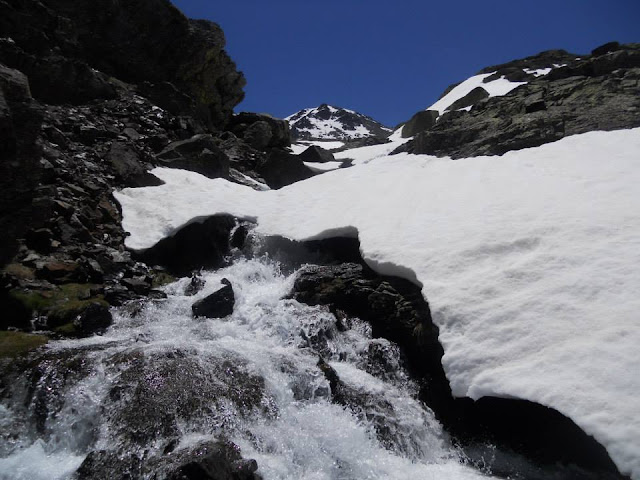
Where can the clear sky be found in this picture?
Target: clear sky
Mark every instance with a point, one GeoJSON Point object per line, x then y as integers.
{"type": "Point", "coordinates": [389, 59]}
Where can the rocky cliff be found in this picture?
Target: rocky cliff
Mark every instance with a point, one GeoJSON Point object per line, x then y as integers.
{"type": "Point", "coordinates": [91, 96]}
{"type": "Point", "coordinates": [562, 94]}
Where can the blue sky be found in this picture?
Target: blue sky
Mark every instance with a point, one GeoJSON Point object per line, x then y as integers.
{"type": "Point", "coordinates": [389, 59]}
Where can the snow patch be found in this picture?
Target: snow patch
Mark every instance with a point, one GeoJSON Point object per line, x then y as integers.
{"type": "Point", "coordinates": [495, 88]}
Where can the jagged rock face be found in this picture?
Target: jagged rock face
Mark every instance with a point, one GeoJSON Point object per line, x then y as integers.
{"type": "Point", "coordinates": [589, 93]}
{"type": "Point", "coordinates": [260, 131]}
{"type": "Point", "coordinates": [334, 123]}
{"type": "Point", "coordinates": [135, 41]}
{"type": "Point", "coordinates": [20, 119]}
{"type": "Point", "coordinates": [281, 168]}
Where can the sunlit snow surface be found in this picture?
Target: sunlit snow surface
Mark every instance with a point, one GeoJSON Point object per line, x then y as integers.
{"type": "Point", "coordinates": [495, 88]}
{"type": "Point", "coordinates": [529, 261]}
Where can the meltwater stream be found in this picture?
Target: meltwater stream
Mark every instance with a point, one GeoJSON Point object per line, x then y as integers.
{"type": "Point", "coordinates": [160, 381]}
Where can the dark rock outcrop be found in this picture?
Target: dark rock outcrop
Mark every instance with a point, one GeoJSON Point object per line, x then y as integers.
{"type": "Point", "coordinates": [260, 131]}
{"type": "Point", "coordinates": [199, 154]}
{"type": "Point", "coordinates": [105, 35]}
{"type": "Point", "coordinates": [419, 122]}
{"type": "Point", "coordinates": [20, 167]}
{"type": "Point", "coordinates": [471, 98]}
{"type": "Point", "coordinates": [198, 245]}
{"type": "Point", "coordinates": [217, 305]}
{"type": "Point", "coordinates": [94, 319]}
{"type": "Point", "coordinates": [128, 167]}
{"type": "Point", "coordinates": [590, 93]}
{"type": "Point", "coordinates": [282, 168]}
{"type": "Point", "coordinates": [316, 154]}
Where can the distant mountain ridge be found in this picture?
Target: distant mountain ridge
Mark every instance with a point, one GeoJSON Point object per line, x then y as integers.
{"type": "Point", "coordinates": [328, 122]}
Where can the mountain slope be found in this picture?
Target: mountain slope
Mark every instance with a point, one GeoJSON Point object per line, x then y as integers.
{"type": "Point", "coordinates": [525, 106]}
{"type": "Point", "coordinates": [327, 122]}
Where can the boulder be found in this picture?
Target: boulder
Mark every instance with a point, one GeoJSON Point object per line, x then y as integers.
{"type": "Point", "coordinates": [471, 98]}
{"type": "Point", "coordinates": [94, 319]}
{"type": "Point", "coordinates": [261, 131]}
{"type": "Point", "coordinates": [217, 305]}
{"type": "Point", "coordinates": [316, 154]}
{"type": "Point", "coordinates": [283, 168]}
{"type": "Point", "coordinates": [199, 154]}
{"type": "Point", "coordinates": [219, 460]}
{"type": "Point", "coordinates": [197, 245]}
{"type": "Point", "coordinates": [130, 171]}
{"type": "Point", "coordinates": [195, 285]}
{"type": "Point", "coordinates": [421, 121]}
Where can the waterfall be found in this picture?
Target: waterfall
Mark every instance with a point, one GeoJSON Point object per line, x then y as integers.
{"type": "Point", "coordinates": [160, 381]}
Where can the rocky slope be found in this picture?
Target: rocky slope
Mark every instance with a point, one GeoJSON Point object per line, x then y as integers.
{"type": "Point", "coordinates": [564, 95]}
{"type": "Point", "coordinates": [87, 105]}
{"type": "Point", "coordinates": [327, 122]}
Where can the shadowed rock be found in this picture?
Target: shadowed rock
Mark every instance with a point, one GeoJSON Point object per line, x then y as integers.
{"type": "Point", "coordinates": [419, 122]}
{"type": "Point", "coordinates": [217, 305]}
{"type": "Point", "coordinates": [316, 154]}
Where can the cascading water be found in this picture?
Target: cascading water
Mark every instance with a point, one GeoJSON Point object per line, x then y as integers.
{"type": "Point", "coordinates": [159, 381]}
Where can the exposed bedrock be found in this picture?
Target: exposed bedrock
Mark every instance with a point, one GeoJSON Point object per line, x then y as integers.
{"type": "Point", "coordinates": [597, 92]}
{"type": "Point", "coordinates": [528, 439]}
{"type": "Point", "coordinates": [135, 41]}
{"type": "Point", "coordinates": [152, 396]}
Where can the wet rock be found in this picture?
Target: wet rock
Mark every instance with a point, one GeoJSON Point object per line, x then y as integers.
{"type": "Point", "coordinates": [220, 460]}
{"type": "Point", "coordinates": [283, 168]}
{"type": "Point", "coordinates": [199, 154]}
{"type": "Point", "coordinates": [156, 393]}
{"type": "Point", "coordinates": [195, 285]}
{"type": "Point", "coordinates": [138, 285]}
{"type": "Point", "coordinates": [316, 154]}
{"type": "Point", "coordinates": [106, 464]}
{"type": "Point", "coordinates": [118, 295]}
{"type": "Point", "coordinates": [421, 121]}
{"type": "Point", "coordinates": [94, 319]}
{"type": "Point", "coordinates": [217, 305]}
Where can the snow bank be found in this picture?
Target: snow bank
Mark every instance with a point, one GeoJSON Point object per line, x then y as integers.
{"type": "Point", "coordinates": [495, 88]}
{"type": "Point", "coordinates": [529, 261]}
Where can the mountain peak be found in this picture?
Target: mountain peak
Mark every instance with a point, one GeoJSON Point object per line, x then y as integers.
{"type": "Point", "coordinates": [328, 122]}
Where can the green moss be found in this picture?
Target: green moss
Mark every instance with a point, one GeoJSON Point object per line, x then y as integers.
{"type": "Point", "coordinates": [62, 304]}
{"type": "Point", "coordinates": [67, 330]}
{"type": "Point", "coordinates": [162, 278]}
{"type": "Point", "coordinates": [13, 344]}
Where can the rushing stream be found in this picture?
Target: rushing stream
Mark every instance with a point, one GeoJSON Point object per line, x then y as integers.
{"type": "Point", "coordinates": [159, 380]}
